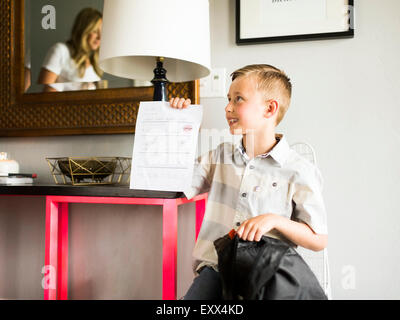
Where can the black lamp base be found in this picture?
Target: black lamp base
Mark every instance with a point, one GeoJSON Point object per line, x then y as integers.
{"type": "Point", "coordinates": [160, 82]}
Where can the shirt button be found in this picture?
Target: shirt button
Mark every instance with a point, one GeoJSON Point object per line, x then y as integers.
{"type": "Point", "coordinates": [244, 195]}
{"type": "Point", "coordinates": [252, 167]}
{"type": "Point", "coordinates": [238, 224]}
{"type": "Point", "coordinates": [274, 184]}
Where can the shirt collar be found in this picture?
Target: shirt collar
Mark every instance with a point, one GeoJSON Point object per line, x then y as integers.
{"type": "Point", "coordinates": [279, 152]}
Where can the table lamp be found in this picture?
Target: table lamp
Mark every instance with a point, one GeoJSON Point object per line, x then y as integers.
{"type": "Point", "coordinates": [156, 39]}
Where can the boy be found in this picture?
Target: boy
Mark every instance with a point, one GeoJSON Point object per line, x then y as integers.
{"type": "Point", "coordinates": [259, 186]}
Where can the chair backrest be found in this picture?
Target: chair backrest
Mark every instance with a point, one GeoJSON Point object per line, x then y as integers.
{"type": "Point", "coordinates": [317, 261]}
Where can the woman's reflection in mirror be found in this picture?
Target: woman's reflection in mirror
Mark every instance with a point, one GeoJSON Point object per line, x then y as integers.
{"type": "Point", "coordinates": [77, 60]}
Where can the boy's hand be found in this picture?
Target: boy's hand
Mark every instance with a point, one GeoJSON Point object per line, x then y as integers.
{"type": "Point", "coordinates": [179, 103]}
{"type": "Point", "coordinates": [253, 229]}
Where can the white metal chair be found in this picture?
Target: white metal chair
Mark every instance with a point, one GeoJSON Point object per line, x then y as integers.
{"type": "Point", "coordinates": [318, 261]}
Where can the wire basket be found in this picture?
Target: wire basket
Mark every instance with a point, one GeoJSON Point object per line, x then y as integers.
{"type": "Point", "coordinates": [90, 171]}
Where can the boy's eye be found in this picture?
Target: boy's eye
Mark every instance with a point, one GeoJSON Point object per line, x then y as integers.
{"type": "Point", "coordinates": [235, 99]}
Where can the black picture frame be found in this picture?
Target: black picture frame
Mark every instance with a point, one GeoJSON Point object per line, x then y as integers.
{"type": "Point", "coordinates": [297, 37]}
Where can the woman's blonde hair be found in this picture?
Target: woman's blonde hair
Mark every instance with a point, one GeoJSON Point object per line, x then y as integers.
{"type": "Point", "coordinates": [86, 21]}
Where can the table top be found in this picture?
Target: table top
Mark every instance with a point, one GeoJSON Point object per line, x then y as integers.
{"type": "Point", "coordinates": [89, 191]}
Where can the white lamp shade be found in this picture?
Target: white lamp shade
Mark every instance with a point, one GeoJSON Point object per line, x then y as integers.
{"type": "Point", "coordinates": [135, 32]}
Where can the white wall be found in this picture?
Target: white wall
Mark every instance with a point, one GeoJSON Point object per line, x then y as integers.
{"type": "Point", "coordinates": [345, 102]}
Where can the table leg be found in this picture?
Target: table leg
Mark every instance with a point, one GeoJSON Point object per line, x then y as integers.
{"type": "Point", "coordinates": [62, 276]}
{"type": "Point", "coordinates": [200, 210]}
{"type": "Point", "coordinates": [170, 224]}
{"type": "Point", "coordinates": [49, 282]}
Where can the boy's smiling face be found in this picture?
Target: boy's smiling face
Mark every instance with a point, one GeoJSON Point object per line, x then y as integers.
{"type": "Point", "coordinates": [247, 106]}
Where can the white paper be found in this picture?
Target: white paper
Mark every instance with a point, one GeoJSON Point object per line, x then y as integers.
{"type": "Point", "coordinates": [272, 18]}
{"type": "Point", "coordinates": [165, 146]}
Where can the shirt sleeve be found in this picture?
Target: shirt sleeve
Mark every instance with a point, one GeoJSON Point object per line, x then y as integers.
{"type": "Point", "coordinates": [202, 175]}
{"type": "Point", "coordinates": [55, 58]}
{"type": "Point", "coordinates": [309, 205]}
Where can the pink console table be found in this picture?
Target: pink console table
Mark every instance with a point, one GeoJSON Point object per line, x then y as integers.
{"type": "Point", "coordinates": [57, 200]}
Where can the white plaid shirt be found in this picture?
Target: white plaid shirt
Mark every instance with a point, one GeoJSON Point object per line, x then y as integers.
{"type": "Point", "coordinates": [280, 182]}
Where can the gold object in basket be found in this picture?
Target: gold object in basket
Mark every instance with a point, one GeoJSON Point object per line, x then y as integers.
{"type": "Point", "coordinates": [90, 171]}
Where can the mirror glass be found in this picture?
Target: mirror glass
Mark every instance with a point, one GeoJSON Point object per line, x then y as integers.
{"type": "Point", "coordinates": [62, 41]}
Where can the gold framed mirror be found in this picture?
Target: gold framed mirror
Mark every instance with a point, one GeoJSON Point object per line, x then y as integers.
{"type": "Point", "coordinates": [103, 111]}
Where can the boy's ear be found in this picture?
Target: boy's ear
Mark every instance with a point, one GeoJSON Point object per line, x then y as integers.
{"type": "Point", "coordinates": [271, 108]}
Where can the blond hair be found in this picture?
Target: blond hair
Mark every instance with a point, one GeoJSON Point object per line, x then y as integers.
{"type": "Point", "coordinates": [86, 21]}
{"type": "Point", "coordinates": [272, 81]}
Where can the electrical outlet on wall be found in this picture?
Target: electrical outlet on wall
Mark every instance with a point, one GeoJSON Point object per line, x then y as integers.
{"type": "Point", "coordinates": [213, 86]}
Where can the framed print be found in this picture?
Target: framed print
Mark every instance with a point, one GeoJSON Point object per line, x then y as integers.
{"type": "Point", "coordinates": [263, 21]}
